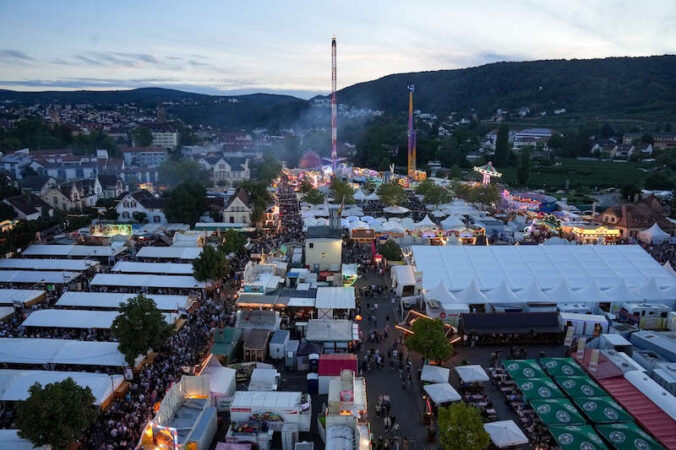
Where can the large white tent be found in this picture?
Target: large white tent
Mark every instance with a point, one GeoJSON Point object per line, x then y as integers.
{"type": "Point", "coordinates": [650, 292]}
{"type": "Point", "coordinates": [505, 433]}
{"type": "Point", "coordinates": [151, 267]}
{"type": "Point", "coordinates": [532, 294]}
{"type": "Point", "coordinates": [36, 276]}
{"type": "Point", "coordinates": [471, 374]}
{"type": "Point", "coordinates": [47, 264]}
{"type": "Point", "coordinates": [23, 296]}
{"type": "Point", "coordinates": [10, 439]}
{"type": "Point", "coordinates": [73, 251]}
{"type": "Point", "coordinates": [15, 384]}
{"type": "Point", "coordinates": [470, 270]}
{"type": "Point", "coordinates": [452, 223]}
{"type": "Point", "coordinates": [441, 393]}
{"type": "Point", "coordinates": [71, 318]}
{"type": "Point", "coordinates": [186, 253]}
{"type": "Point", "coordinates": [6, 311]}
{"type": "Point", "coordinates": [112, 300]}
{"type": "Point", "coordinates": [435, 374]}
{"type": "Point", "coordinates": [653, 235]}
{"type": "Point", "coordinates": [359, 195]}
{"type": "Point", "coordinates": [60, 351]}
{"type": "Point", "coordinates": [502, 294]}
{"type": "Point", "coordinates": [156, 281]}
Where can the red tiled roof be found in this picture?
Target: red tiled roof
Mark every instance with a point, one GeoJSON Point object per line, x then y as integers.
{"type": "Point", "coordinates": [645, 411]}
{"type": "Point", "coordinates": [332, 365]}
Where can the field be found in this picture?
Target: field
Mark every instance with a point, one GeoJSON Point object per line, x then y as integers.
{"type": "Point", "coordinates": [591, 174]}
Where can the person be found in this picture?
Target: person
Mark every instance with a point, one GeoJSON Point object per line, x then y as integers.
{"type": "Point", "coordinates": [387, 421]}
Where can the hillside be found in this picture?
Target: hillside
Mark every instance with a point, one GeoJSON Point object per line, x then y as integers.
{"type": "Point", "coordinates": [639, 88]}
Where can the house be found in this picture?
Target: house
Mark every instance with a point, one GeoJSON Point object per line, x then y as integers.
{"type": "Point", "coordinates": [323, 249]}
{"type": "Point", "coordinates": [634, 217]}
{"type": "Point", "coordinates": [142, 202]}
{"type": "Point", "coordinates": [645, 149]}
{"type": "Point", "coordinates": [624, 151]}
{"type": "Point", "coordinates": [225, 171]}
{"type": "Point", "coordinates": [28, 206]}
{"type": "Point", "coordinates": [532, 137]}
{"type": "Point", "coordinates": [664, 141]}
{"type": "Point", "coordinates": [37, 184]}
{"type": "Point", "coordinates": [604, 147]}
{"type": "Point", "coordinates": [111, 185]}
{"type": "Point", "coordinates": [148, 157]}
{"type": "Point", "coordinates": [16, 162]}
{"type": "Point", "coordinates": [76, 194]}
{"type": "Point", "coordinates": [238, 209]}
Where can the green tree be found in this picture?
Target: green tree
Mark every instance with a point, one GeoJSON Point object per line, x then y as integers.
{"type": "Point", "coordinates": [56, 414]}
{"type": "Point", "coordinates": [233, 242]}
{"type": "Point", "coordinates": [257, 214]}
{"type": "Point", "coordinates": [429, 339]}
{"type": "Point", "coordinates": [341, 191]}
{"type": "Point", "coordinates": [437, 195]}
{"type": "Point", "coordinates": [257, 191]}
{"type": "Point", "coordinates": [455, 173]}
{"type": "Point", "coordinates": [424, 186]}
{"type": "Point", "coordinates": [523, 169]}
{"type": "Point", "coordinates": [172, 173]}
{"type": "Point", "coordinates": [141, 136]}
{"type": "Point", "coordinates": [211, 264]}
{"type": "Point", "coordinates": [268, 169]}
{"type": "Point", "coordinates": [392, 194]}
{"type": "Point", "coordinates": [630, 190]}
{"type": "Point", "coordinates": [390, 250]}
{"type": "Point", "coordinates": [186, 203]}
{"type": "Point", "coordinates": [461, 427]}
{"type": "Point", "coordinates": [305, 186]}
{"type": "Point", "coordinates": [314, 197]}
{"type": "Point", "coordinates": [502, 146]}
{"type": "Point", "coordinates": [487, 195]}
{"type": "Point", "coordinates": [139, 327]}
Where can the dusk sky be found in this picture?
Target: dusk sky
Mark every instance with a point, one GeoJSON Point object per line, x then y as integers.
{"type": "Point", "coordinates": [249, 46]}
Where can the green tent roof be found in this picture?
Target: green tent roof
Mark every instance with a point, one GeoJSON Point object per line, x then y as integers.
{"type": "Point", "coordinates": [627, 436]}
{"type": "Point", "coordinates": [602, 410]}
{"type": "Point", "coordinates": [535, 388]}
{"type": "Point", "coordinates": [577, 437]}
{"type": "Point", "coordinates": [582, 386]}
{"type": "Point", "coordinates": [562, 366]}
{"type": "Point", "coordinates": [523, 368]}
{"type": "Point", "coordinates": [557, 411]}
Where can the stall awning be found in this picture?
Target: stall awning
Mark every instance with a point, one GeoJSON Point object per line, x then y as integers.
{"type": "Point", "coordinates": [441, 393]}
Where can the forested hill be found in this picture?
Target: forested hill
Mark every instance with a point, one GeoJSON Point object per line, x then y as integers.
{"type": "Point", "coordinates": [641, 87]}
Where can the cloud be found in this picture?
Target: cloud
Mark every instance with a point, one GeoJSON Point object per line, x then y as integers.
{"type": "Point", "coordinates": [9, 55]}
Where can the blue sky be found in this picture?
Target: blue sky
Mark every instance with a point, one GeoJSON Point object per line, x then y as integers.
{"type": "Point", "coordinates": [250, 45]}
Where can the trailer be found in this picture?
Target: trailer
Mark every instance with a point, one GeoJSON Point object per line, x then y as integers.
{"type": "Point", "coordinates": [278, 344]}
{"type": "Point", "coordinates": [584, 324]}
{"type": "Point", "coordinates": [272, 408]}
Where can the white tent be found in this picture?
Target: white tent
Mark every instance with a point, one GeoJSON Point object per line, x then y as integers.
{"type": "Point", "coordinates": [152, 267]}
{"type": "Point", "coordinates": [408, 223]}
{"type": "Point", "coordinates": [75, 265]}
{"type": "Point", "coordinates": [186, 253]}
{"type": "Point", "coordinates": [393, 227]}
{"type": "Point", "coordinates": [441, 393]}
{"type": "Point", "coordinates": [502, 294]}
{"type": "Point", "coordinates": [620, 293]}
{"type": "Point", "coordinates": [452, 223]}
{"type": "Point", "coordinates": [60, 351]}
{"type": "Point", "coordinates": [533, 293]}
{"type": "Point", "coordinates": [505, 433]}
{"type": "Point", "coordinates": [441, 294]}
{"type": "Point", "coordinates": [556, 241]}
{"type": "Point", "coordinates": [396, 210]}
{"type": "Point", "coordinates": [653, 235]}
{"type": "Point", "coordinates": [359, 195]}
{"type": "Point", "coordinates": [76, 318]}
{"type": "Point", "coordinates": [435, 374]}
{"type": "Point", "coordinates": [651, 292]}
{"type": "Point", "coordinates": [562, 293]}
{"type": "Point", "coordinates": [156, 281]}
{"type": "Point", "coordinates": [112, 300]}
{"type": "Point", "coordinates": [471, 295]}
{"type": "Point", "coordinates": [6, 311]}
{"type": "Point", "coordinates": [426, 223]}
{"type": "Point", "coordinates": [590, 293]}
{"type": "Point", "coordinates": [471, 374]}
{"type": "Point", "coordinates": [668, 268]}
{"type": "Point", "coordinates": [372, 196]}
{"type": "Point", "coordinates": [438, 213]}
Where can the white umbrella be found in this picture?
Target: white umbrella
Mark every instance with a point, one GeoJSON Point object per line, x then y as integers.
{"type": "Point", "coordinates": [505, 433]}
{"type": "Point", "coordinates": [435, 374]}
{"type": "Point", "coordinates": [471, 374]}
{"type": "Point", "coordinates": [396, 210]}
{"type": "Point", "coordinates": [441, 393]}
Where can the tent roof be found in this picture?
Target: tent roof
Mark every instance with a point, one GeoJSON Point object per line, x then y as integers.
{"type": "Point", "coordinates": [628, 436]}
{"type": "Point", "coordinates": [359, 195]}
{"type": "Point", "coordinates": [396, 210]}
{"type": "Point", "coordinates": [75, 265]}
{"type": "Point", "coordinates": [73, 251]}
{"type": "Point", "coordinates": [471, 294]}
{"type": "Point", "coordinates": [620, 293]}
{"type": "Point", "coordinates": [158, 268]}
{"type": "Point", "coordinates": [405, 275]}
{"type": "Point", "coordinates": [562, 293]}
{"type": "Point", "coordinates": [335, 297]}
{"type": "Point", "coordinates": [519, 265]}
{"type": "Point", "coordinates": [441, 393]}
{"type": "Point", "coordinates": [533, 293]}
{"type": "Point", "coordinates": [537, 388]}
{"type": "Point", "coordinates": [471, 374]}
{"type": "Point", "coordinates": [557, 411]}
{"type": "Point", "coordinates": [523, 368]}
{"type": "Point", "coordinates": [331, 330]}
{"type": "Point", "coordinates": [9, 296]}
{"type": "Point", "coordinates": [651, 292]}
{"type": "Point", "coordinates": [333, 365]}
{"type": "Point", "coordinates": [158, 281]}
{"type": "Point", "coordinates": [112, 300]}
{"type": "Point", "coordinates": [505, 433]}
{"type": "Point", "coordinates": [75, 318]}
{"type": "Point", "coordinates": [169, 252]}
{"type": "Point", "coordinates": [426, 223]}
{"type": "Point", "coordinates": [502, 294]}
{"type": "Point", "coordinates": [653, 234]}
{"type": "Point", "coordinates": [60, 351]}
{"type": "Point", "coordinates": [590, 293]}
{"type": "Point", "coordinates": [442, 295]}
{"type": "Point", "coordinates": [435, 374]}
{"type": "Point", "coordinates": [36, 276]}
{"type": "Point", "coordinates": [576, 437]}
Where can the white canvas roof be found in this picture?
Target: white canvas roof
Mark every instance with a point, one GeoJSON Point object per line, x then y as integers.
{"type": "Point", "coordinates": [452, 222]}
{"type": "Point", "coordinates": [301, 302]}
{"type": "Point", "coordinates": [590, 293]}
{"type": "Point", "coordinates": [15, 384]}
{"type": "Point", "coordinates": [620, 292]}
{"type": "Point", "coordinates": [650, 292]}
{"type": "Point", "coordinates": [359, 195]}
{"type": "Point", "coordinates": [330, 330]}
{"type": "Point", "coordinates": [75, 318]}
{"type": "Point", "coordinates": [159, 268]}
{"type": "Point", "coordinates": [505, 433]}
{"type": "Point", "coordinates": [6, 311]}
{"type": "Point", "coordinates": [502, 294]}
{"type": "Point", "coordinates": [608, 265]}
{"type": "Point", "coordinates": [471, 374]}
{"type": "Point", "coordinates": [426, 223]}
{"type": "Point", "coordinates": [36, 276]}
{"type": "Point", "coordinates": [11, 439]}
{"type": "Point", "coordinates": [404, 275]}
{"type": "Point", "coordinates": [653, 235]}
{"type": "Point", "coordinates": [435, 374]}
{"type": "Point", "coordinates": [274, 400]}
{"type": "Point", "coordinates": [112, 300]}
{"type": "Point", "coordinates": [441, 393]}
{"type": "Point", "coordinates": [562, 293]}
{"type": "Point", "coordinates": [396, 210]}
{"type": "Point", "coordinates": [442, 295]}
{"type": "Point", "coordinates": [9, 296]}
{"type": "Point", "coordinates": [73, 251]}
{"type": "Point", "coordinates": [157, 281]}
{"type": "Point", "coordinates": [47, 264]}
{"type": "Point", "coordinates": [471, 294]}
{"type": "Point", "coordinates": [60, 351]}
{"type": "Point", "coordinates": [170, 252]}
{"type": "Point", "coordinates": [335, 297]}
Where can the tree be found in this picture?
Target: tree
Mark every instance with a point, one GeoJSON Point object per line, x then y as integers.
{"type": "Point", "coordinates": [630, 190]}
{"type": "Point", "coordinates": [314, 197]}
{"type": "Point", "coordinates": [424, 186]}
{"type": "Point", "coordinates": [257, 213]}
{"type": "Point", "coordinates": [186, 203]}
{"type": "Point", "coordinates": [437, 195]}
{"type": "Point", "coordinates": [392, 194]}
{"type": "Point", "coordinates": [455, 173]}
{"type": "Point", "coordinates": [233, 242]}
{"type": "Point", "coordinates": [461, 426]}
{"type": "Point", "coordinates": [502, 146]}
{"type": "Point", "coordinates": [487, 195]}
{"type": "Point", "coordinates": [341, 191]}
{"type": "Point", "coordinates": [142, 137]}
{"type": "Point", "coordinates": [211, 264]}
{"type": "Point", "coordinates": [268, 169]}
{"type": "Point", "coordinates": [305, 186]}
{"type": "Point", "coordinates": [523, 169]}
{"type": "Point", "coordinates": [56, 414]}
{"type": "Point", "coordinates": [139, 327]}
{"type": "Point", "coordinates": [390, 250]}
{"type": "Point", "coordinates": [257, 191]}
{"type": "Point", "coordinates": [429, 339]}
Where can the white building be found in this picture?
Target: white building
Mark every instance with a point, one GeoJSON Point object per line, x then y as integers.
{"type": "Point", "coordinates": [165, 138]}
{"type": "Point", "coordinates": [323, 249]}
{"type": "Point", "coordinates": [531, 137]}
{"type": "Point", "coordinates": [226, 171]}
{"type": "Point", "coordinates": [142, 202]}
{"type": "Point", "coordinates": [238, 209]}
{"type": "Point", "coordinates": [148, 157]}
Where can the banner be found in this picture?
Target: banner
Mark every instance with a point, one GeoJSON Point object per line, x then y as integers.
{"type": "Point", "coordinates": [580, 347]}
{"type": "Point", "coordinates": [570, 331]}
{"type": "Point", "coordinates": [594, 360]}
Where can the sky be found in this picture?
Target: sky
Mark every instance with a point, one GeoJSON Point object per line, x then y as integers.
{"type": "Point", "coordinates": [245, 46]}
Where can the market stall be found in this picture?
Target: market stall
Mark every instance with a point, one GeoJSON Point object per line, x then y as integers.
{"type": "Point", "coordinates": [505, 433]}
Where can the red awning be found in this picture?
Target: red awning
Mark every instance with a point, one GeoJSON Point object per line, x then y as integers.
{"type": "Point", "coordinates": [650, 416]}
{"type": "Point", "coordinates": [606, 368]}
{"type": "Point", "coordinates": [332, 365]}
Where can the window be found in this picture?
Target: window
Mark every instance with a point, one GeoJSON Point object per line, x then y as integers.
{"type": "Point", "coordinates": [125, 215]}
{"type": "Point", "coordinates": [311, 245]}
{"type": "Point", "coordinates": [156, 219]}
